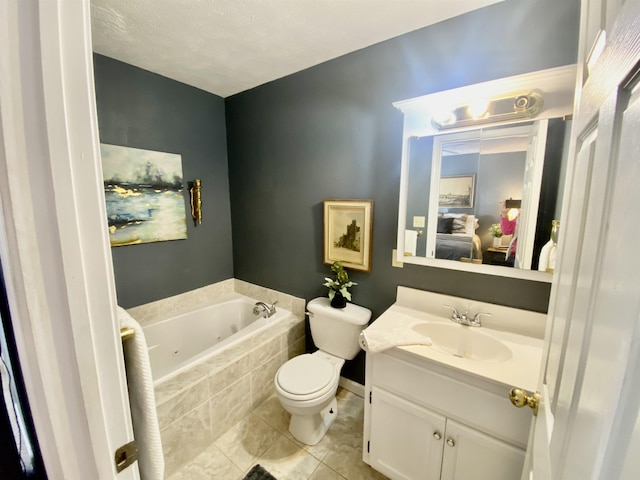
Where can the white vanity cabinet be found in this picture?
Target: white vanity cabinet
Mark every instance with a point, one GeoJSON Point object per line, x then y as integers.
{"type": "Point", "coordinates": [405, 440]}
{"type": "Point", "coordinates": [430, 422]}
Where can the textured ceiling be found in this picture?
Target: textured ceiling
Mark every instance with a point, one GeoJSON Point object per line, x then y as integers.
{"type": "Point", "coordinates": [228, 46]}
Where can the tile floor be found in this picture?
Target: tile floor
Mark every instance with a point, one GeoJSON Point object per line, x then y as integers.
{"type": "Point", "coordinates": [263, 437]}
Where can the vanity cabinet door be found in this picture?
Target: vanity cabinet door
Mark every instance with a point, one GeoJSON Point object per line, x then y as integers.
{"type": "Point", "coordinates": [405, 441]}
{"type": "Point", "coordinates": [471, 455]}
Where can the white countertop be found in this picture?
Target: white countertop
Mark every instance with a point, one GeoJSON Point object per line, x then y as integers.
{"type": "Point", "coordinates": [521, 370]}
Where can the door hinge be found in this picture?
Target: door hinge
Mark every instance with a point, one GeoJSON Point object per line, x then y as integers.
{"type": "Point", "coordinates": [368, 446]}
{"type": "Point", "coordinates": [370, 393]}
{"type": "Point", "coordinates": [126, 455]}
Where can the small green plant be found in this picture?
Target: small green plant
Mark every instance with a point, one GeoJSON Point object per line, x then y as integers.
{"type": "Point", "coordinates": [341, 282]}
{"type": "Point", "coordinates": [495, 230]}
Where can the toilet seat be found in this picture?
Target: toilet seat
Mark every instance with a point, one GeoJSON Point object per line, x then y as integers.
{"type": "Point", "coordinates": [306, 377]}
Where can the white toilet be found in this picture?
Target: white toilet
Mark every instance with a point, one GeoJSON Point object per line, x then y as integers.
{"type": "Point", "coordinates": [306, 385]}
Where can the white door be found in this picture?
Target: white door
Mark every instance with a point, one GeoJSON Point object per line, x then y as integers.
{"type": "Point", "coordinates": [406, 439]}
{"type": "Point", "coordinates": [590, 381]}
{"type": "Point", "coordinates": [53, 242]}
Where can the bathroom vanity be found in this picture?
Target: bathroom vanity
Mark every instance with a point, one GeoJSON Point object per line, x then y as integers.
{"type": "Point", "coordinates": [443, 411]}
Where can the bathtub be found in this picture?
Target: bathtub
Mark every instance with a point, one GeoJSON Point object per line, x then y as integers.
{"type": "Point", "coordinates": [177, 343]}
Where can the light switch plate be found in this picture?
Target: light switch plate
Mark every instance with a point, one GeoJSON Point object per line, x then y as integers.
{"type": "Point", "coordinates": [394, 259]}
{"type": "Point", "coordinates": [418, 221]}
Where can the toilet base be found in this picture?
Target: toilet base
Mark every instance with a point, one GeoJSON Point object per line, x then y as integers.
{"type": "Point", "coordinates": [309, 429]}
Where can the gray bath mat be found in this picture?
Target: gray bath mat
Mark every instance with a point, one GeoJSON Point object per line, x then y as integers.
{"type": "Point", "coordinates": [259, 473]}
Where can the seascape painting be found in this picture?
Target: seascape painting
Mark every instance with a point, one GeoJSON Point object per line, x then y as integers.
{"type": "Point", "coordinates": [144, 195]}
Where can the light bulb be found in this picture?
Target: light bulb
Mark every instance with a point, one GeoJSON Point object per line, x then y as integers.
{"type": "Point", "coordinates": [478, 108]}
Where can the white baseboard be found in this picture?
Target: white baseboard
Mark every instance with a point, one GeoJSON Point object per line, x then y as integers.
{"type": "Point", "coordinates": [353, 387]}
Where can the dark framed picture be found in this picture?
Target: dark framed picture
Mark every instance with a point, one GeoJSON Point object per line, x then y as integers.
{"type": "Point", "coordinates": [348, 227]}
{"type": "Point", "coordinates": [456, 191]}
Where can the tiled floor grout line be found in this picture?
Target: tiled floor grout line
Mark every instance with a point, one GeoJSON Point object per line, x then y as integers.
{"type": "Point", "coordinates": [334, 458]}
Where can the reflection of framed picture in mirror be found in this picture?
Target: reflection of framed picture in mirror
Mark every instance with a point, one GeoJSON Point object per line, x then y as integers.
{"type": "Point", "coordinates": [348, 225]}
{"type": "Point", "coordinates": [456, 191]}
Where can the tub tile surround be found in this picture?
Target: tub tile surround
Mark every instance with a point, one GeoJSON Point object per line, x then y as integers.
{"type": "Point", "coordinates": [231, 384]}
{"type": "Point", "coordinates": [197, 406]}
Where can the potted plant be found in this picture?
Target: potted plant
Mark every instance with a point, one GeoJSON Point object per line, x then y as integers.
{"type": "Point", "coordinates": [496, 233]}
{"type": "Point", "coordinates": [338, 293]}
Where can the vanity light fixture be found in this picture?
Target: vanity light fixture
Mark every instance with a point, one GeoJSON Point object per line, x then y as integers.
{"type": "Point", "coordinates": [511, 107]}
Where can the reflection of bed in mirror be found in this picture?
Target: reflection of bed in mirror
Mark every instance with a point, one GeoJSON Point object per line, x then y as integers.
{"type": "Point", "coordinates": [456, 238]}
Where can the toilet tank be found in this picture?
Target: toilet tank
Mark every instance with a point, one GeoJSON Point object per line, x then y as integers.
{"type": "Point", "coordinates": [336, 330]}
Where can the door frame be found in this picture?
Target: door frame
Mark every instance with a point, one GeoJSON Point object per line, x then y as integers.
{"type": "Point", "coordinates": [54, 248]}
{"type": "Point", "coordinates": [598, 356]}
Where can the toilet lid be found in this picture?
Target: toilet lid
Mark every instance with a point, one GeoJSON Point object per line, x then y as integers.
{"type": "Point", "coordinates": [305, 374]}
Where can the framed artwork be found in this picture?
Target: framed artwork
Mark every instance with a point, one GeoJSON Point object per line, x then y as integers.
{"type": "Point", "coordinates": [144, 195]}
{"type": "Point", "coordinates": [348, 227]}
{"type": "Point", "coordinates": [456, 191]}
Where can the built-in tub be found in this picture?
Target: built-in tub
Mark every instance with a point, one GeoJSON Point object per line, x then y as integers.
{"type": "Point", "coordinates": [213, 365]}
{"type": "Point", "coordinates": [179, 342]}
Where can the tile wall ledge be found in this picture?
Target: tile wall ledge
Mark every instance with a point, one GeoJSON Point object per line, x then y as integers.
{"type": "Point", "coordinates": [159, 310]}
{"type": "Point", "coordinates": [184, 302]}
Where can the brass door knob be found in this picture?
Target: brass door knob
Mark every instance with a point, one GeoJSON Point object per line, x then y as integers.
{"type": "Point", "coordinates": [521, 398]}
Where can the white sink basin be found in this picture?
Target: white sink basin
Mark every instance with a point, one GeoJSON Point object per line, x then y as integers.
{"type": "Point", "coordinates": [465, 342]}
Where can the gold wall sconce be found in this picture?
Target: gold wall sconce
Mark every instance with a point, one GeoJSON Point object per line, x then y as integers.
{"type": "Point", "coordinates": [196, 201]}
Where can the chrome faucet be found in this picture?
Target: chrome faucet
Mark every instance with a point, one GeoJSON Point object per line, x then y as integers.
{"type": "Point", "coordinates": [465, 319]}
{"type": "Point", "coordinates": [261, 308]}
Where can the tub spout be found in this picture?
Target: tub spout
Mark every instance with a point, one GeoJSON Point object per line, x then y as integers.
{"type": "Point", "coordinates": [261, 308]}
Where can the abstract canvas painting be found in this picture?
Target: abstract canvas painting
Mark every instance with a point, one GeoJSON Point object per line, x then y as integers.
{"type": "Point", "coordinates": [144, 195]}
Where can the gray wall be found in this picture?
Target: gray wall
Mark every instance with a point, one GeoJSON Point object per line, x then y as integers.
{"type": "Point", "coordinates": [139, 109]}
{"type": "Point", "coordinates": [331, 132]}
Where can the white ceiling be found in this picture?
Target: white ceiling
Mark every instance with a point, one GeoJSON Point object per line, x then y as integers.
{"type": "Point", "coordinates": [228, 46]}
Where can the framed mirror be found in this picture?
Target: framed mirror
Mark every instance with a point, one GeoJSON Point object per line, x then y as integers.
{"type": "Point", "coordinates": [484, 198]}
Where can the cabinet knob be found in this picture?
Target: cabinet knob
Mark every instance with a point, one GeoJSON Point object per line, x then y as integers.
{"type": "Point", "coordinates": [437, 435]}
{"type": "Point", "coordinates": [450, 442]}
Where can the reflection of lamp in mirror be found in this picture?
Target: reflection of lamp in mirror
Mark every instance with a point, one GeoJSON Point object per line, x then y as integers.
{"type": "Point", "coordinates": [513, 208]}
{"type": "Point", "coordinates": [196, 201]}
